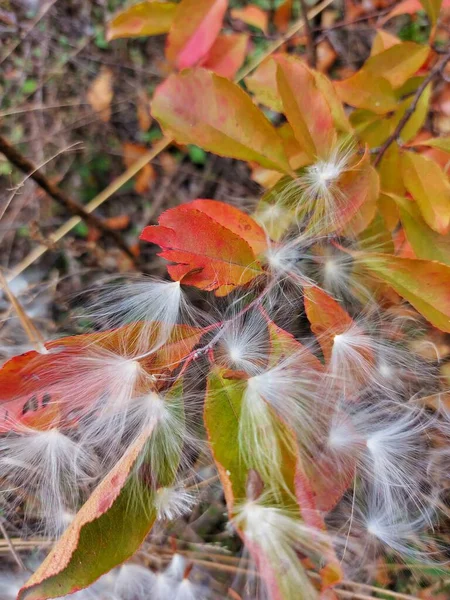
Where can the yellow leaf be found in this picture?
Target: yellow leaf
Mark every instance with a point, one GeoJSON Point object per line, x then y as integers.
{"type": "Point", "coordinates": [432, 8]}
{"type": "Point", "coordinates": [305, 107]}
{"type": "Point", "coordinates": [382, 41]}
{"type": "Point", "coordinates": [144, 18]}
{"type": "Point", "coordinates": [424, 284]}
{"type": "Point", "coordinates": [425, 242]}
{"type": "Point", "coordinates": [263, 85]}
{"type": "Point", "coordinates": [398, 63]}
{"type": "Point", "coordinates": [428, 185]}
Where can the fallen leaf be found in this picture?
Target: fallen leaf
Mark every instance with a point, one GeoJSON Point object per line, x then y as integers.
{"type": "Point", "coordinates": [143, 110]}
{"type": "Point", "coordinates": [100, 94]}
{"type": "Point", "coordinates": [147, 175]}
{"type": "Point", "coordinates": [196, 25]}
{"type": "Point", "coordinates": [326, 56]}
{"type": "Point", "coordinates": [142, 19]}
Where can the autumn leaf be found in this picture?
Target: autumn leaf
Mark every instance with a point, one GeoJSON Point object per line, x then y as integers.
{"type": "Point", "coordinates": [432, 8]}
{"type": "Point", "coordinates": [146, 176]}
{"type": "Point", "coordinates": [100, 94]}
{"type": "Point", "coordinates": [199, 107]}
{"type": "Point", "coordinates": [196, 25]}
{"type": "Point", "coordinates": [305, 107]}
{"type": "Point", "coordinates": [283, 16]}
{"type": "Point", "coordinates": [252, 15]}
{"type": "Point", "coordinates": [326, 317]}
{"type": "Point", "coordinates": [443, 143]}
{"type": "Point", "coordinates": [107, 530]}
{"type": "Point", "coordinates": [227, 54]}
{"type": "Point", "coordinates": [425, 242]}
{"type": "Point", "coordinates": [372, 87]}
{"type": "Point", "coordinates": [424, 284]}
{"type": "Point", "coordinates": [382, 41]}
{"type": "Point", "coordinates": [263, 85]}
{"type": "Point", "coordinates": [215, 246]}
{"type": "Point", "coordinates": [29, 396]}
{"type": "Point", "coordinates": [410, 7]}
{"type": "Point", "coordinates": [143, 110]}
{"type": "Point", "coordinates": [93, 543]}
{"type": "Point", "coordinates": [364, 90]}
{"type": "Point", "coordinates": [223, 407]}
{"type": "Point", "coordinates": [142, 19]}
{"type": "Point", "coordinates": [428, 185]}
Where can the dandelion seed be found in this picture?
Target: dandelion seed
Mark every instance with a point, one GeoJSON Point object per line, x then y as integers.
{"type": "Point", "coordinates": [49, 465]}
{"type": "Point", "coordinates": [172, 502]}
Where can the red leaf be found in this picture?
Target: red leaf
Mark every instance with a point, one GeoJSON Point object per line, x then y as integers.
{"type": "Point", "coordinates": [196, 26]}
{"type": "Point", "coordinates": [227, 54]}
{"type": "Point", "coordinates": [29, 396]}
{"type": "Point", "coordinates": [214, 245]}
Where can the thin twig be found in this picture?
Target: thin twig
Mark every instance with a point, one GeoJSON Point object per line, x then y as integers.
{"type": "Point", "coordinates": [395, 136]}
{"type": "Point", "coordinates": [311, 49]}
{"type": "Point", "coordinates": [32, 171]}
{"type": "Point", "coordinates": [37, 252]}
{"type": "Point", "coordinates": [11, 547]}
{"type": "Point", "coordinates": [32, 332]}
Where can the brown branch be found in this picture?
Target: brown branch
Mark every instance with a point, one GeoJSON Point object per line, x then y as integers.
{"type": "Point", "coordinates": [310, 43]}
{"type": "Point", "coordinates": [395, 136]}
{"type": "Point", "coordinates": [32, 171]}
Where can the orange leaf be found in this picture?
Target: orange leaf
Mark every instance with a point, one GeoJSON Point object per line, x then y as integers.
{"type": "Point", "coordinates": [194, 30]}
{"type": "Point", "coordinates": [199, 107]}
{"type": "Point", "coordinates": [143, 111]}
{"type": "Point", "coordinates": [252, 15]}
{"type": "Point", "coordinates": [214, 245]}
{"type": "Point", "coordinates": [227, 54]}
{"type": "Point", "coordinates": [326, 56]}
{"type": "Point", "coordinates": [144, 18]}
{"type": "Point", "coordinates": [305, 106]}
{"type": "Point", "coordinates": [100, 94]}
{"type": "Point", "coordinates": [327, 318]}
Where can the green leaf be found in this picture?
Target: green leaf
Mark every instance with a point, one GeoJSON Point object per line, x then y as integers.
{"type": "Point", "coordinates": [114, 521]}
